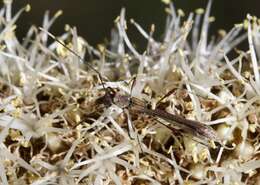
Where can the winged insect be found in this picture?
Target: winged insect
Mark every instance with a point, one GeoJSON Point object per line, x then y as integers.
{"type": "Point", "coordinates": [125, 101]}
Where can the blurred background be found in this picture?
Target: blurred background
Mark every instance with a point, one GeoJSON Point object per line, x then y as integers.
{"type": "Point", "coordinates": [94, 19]}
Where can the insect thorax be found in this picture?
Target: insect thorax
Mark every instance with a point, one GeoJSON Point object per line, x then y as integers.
{"type": "Point", "coordinates": [123, 101]}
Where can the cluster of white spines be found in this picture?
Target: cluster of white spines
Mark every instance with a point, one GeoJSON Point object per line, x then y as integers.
{"type": "Point", "coordinates": [183, 59]}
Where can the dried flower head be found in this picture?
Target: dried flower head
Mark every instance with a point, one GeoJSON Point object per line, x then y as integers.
{"type": "Point", "coordinates": [55, 129]}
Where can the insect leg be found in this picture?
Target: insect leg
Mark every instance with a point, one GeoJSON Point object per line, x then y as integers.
{"type": "Point", "coordinates": [132, 132]}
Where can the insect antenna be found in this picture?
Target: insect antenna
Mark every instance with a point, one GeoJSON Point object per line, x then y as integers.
{"type": "Point", "coordinates": [109, 93]}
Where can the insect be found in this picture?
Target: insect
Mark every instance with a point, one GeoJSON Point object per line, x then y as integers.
{"type": "Point", "coordinates": [133, 104]}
